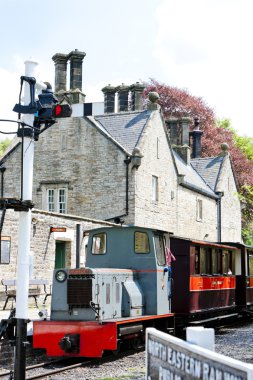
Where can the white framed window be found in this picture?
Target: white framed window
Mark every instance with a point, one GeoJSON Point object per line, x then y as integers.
{"type": "Point", "coordinates": [154, 188]}
{"type": "Point", "coordinates": [62, 201]}
{"type": "Point", "coordinates": [50, 200]}
{"type": "Point", "coordinates": [57, 200]}
{"type": "Point", "coordinates": [199, 213]}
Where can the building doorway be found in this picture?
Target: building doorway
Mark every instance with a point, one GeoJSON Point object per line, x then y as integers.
{"type": "Point", "coordinates": [60, 255]}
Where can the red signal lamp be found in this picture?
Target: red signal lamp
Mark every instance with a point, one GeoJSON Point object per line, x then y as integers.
{"type": "Point", "coordinates": [62, 110]}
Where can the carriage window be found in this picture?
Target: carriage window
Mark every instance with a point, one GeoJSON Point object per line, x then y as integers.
{"type": "Point", "coordinates": [197, 260]}
{"type": "Point", "coordinates": [160, 251]}
{"type": "Point", "coordinates": [216, 261]}
{"type": "Point", "coordinates": [141, 242]}
{"type": "Point", "coordinates": [225, 262]}
{"type": "Point", "coordinates": [99, 244]}
{"type": "Point", "coordinates": [205, 260]}
{"type": "Point", "coordinates": [250, 263]}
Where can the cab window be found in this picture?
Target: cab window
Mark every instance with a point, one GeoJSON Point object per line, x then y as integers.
{"type": "Point", "coordinates": [160, 250]}
{"type": "Point", "coordinates": [141, 242]}
{"type": "Point", "coordinates": [99, 244]}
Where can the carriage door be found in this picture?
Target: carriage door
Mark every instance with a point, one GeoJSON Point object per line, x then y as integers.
{"type": "Point", "coordinates": [60, 254]}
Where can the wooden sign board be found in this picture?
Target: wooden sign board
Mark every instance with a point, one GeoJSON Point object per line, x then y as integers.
{"type": "Point", "coordinates": [170, 358]}
{"type": "Point", "coordinates": [58, 229]}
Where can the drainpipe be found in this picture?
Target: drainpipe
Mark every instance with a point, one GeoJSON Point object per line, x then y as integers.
{"type": "Point", "coordinates": [2, 170]}
{"type": "Point", "coordinates": [220, 195]}
{"type": "Point", "coordinates": [127, 162]}
{"type": "Point", "coordinates": [78, 236]}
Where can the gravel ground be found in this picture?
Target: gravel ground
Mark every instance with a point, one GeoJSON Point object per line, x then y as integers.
{"type": "Point", "coordinates": [235, 342]}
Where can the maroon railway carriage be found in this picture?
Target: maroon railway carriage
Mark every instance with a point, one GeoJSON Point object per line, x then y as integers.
{"type": "Point", "coordinates": [244, 281]}
{"type": "Point", "coordinates": [204, 280]}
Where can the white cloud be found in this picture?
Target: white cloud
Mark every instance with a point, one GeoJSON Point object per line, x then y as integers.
{"type": "Point", "coordinates": [205, 46]}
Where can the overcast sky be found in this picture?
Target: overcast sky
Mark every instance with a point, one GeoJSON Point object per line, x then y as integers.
{"type": "Point", "coordinates": [204, 46]}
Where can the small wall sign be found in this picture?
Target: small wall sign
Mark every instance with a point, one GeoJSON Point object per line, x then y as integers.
{"type": "Point", "coordinates": [58, 229]}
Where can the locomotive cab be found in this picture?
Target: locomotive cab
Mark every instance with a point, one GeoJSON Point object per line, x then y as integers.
{"type": "Point", "coordinates": [121, 291]}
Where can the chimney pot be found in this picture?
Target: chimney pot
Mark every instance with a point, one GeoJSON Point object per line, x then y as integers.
{"type": "Point", "coordinates": [196, 139]}
{"type": "Point", "coordinates": [123, 92]}
{"type": "Point", "coordinates": [109, 98]}
{"type": "Point", "coordinates": [60, 61]}
{"type": "Point", "coordinates": [76, 61]}
{"type": "Point", "coordinates": [136, 96]}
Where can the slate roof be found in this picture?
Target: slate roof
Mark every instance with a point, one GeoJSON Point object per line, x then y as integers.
{"type": "Point", "coordinates": [192, 177]}
{"type": "Point", "coordinates": [125, 127]}
{"type": "Point", "coordinates": [209, 169]}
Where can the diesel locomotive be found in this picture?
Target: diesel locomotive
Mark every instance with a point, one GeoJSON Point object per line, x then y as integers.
{"type": "Point", "coordinates": [130, 282]}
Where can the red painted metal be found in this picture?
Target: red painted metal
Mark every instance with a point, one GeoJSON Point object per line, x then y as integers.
{"type": "Point", "coordinates": [202, 283]}
{"type": "Point", "coordinates": [94, 337]}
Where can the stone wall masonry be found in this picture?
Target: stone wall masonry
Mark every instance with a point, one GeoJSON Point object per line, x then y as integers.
{"type": "Point", "coordinates": [230, 205]}
{"type": "Point", "coordinates": [12, 175]}
{"type": "Point", "coordinates": [43, 242]}
{"type": "Point", "coordinates": [187, 224]}
{"type": "Point", "coordinates": [157, 161]}
{"type": "Point", "coordinates": [90, 166]}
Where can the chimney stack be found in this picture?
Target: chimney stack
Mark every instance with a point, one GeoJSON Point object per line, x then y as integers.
{"type": "Point", "coordinates": [184, 126]}
{"type": "Point", "coordinates": [136, 96]}
{"type": "Point", "coordinates": [109, 98]}
{"type": "Point", "coordinates": [172, 124]}
{"type": "Point", "coordinates": [179, 137]}
{"type": "Point", "coordinates": [60, 61]}
{"type": "Point", "coordinates": [123, 97]}
{"type": "Point", "coordinates": [196, 139]}
{"type": "Point", "coordinates": [76, 61]}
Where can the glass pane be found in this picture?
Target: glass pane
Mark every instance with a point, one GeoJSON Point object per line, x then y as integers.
{"type": "Point", "coordinates": [202, 262]}
{"type": "Point", "coordinates": [141, 242]}
{"type": "Point", "coordinates": [197, 260]}
{"type": "Point", "coordinates": [250, 256]}
{"type": "Point", "coordinates": [225, 262]}
{"type": "Point", "coordinates": [160, 251]}
{"type": "Point", "coordinates": [50, 200]}
{"type": "Point", "coordinates": [62, 201]}
{"type": "Point", "coordinates": [205, 260]}
{"type": "Point", "coordinates": [99, 244]}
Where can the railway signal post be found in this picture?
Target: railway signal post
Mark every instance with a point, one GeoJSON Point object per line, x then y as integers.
{"type": "Point", "coordinates": [26, 133]}
{"type": "Point", "coordinates": [29, 130]}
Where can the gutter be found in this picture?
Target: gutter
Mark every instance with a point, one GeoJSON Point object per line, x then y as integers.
{"type": "Point", "coordinates": [198, 190]}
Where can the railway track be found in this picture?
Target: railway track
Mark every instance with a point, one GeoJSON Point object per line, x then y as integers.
{"type": "Point", "coordinates": [29, 369]}
{"type": "Point", "coordinates": [63, 364]}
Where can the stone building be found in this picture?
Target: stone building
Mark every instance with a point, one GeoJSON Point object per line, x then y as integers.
{"type": "Point", "coordinates": [127, 165]}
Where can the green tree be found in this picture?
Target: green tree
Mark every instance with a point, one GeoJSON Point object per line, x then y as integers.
{"type": "Point", "coordinates": [243, 142]}
{"type": "Point", "coordinates": [177, 102]}
{"type": "Point", "coordinates": [3, 145]}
